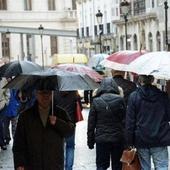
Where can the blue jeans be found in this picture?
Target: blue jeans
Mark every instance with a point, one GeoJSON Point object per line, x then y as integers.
{"type": "Point", "coordinates": [69, 152]}
{"type": "Point", "coordinates": [159, 156]}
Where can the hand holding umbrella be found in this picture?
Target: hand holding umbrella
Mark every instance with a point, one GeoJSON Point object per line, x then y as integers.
{"type": "Point", "coordinates": [52, 119]}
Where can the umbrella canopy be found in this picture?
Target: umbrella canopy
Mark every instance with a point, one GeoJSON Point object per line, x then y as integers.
{"type": "Point", "coordinates": [81, 69]}
{"type": "Point", "coordinates": [69, 58]}
{"type": "Point", "coordinates": [15, 68]}
{"type": "Point", "coordinates": [94, 61]}
{"type": "Point", "coordinates": [120, 60]}
{"type": "Point", "coordinates": [53, 79]}
{"type": "Point", "coordinates": [153, 63]}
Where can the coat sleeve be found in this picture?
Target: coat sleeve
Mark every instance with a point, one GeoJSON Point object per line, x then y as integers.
{"type": "Point", "coordinates": [130, 122]}
{"type": "Point", "coordinates": [167, 105]}
{"type": "Point", "coordinates": [63, 124]}
{"type": "Point", "coordinates": [91, 126]}
{"type": "Point", "coordinates": [19, 145]}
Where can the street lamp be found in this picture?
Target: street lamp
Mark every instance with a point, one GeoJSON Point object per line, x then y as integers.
{"type": "Point", "coordinates": [41, 29]}
{"type": "Point", "coordinates": [7, 36]}
{"type": "Point", "coordinates": [166, 25]}
{"type": "Point", "coordinates": [99, 17]}
{"type": "Point", "coordinates": [124, 6]}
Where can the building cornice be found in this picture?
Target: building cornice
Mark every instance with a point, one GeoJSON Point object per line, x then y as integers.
{"type": "Point", "coordinates": [35, 31]}
{"type": "Point", "coordinates": [82, 1]}
{"type": "Point", "coordinates": [132, 19]}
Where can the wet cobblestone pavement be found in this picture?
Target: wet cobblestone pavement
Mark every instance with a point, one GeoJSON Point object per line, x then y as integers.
{"type": "Point", "coordinates": [6, 160]}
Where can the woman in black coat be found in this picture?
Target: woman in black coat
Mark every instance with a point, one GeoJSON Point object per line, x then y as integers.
{"type": "Point", "coordinates": [106, 125]}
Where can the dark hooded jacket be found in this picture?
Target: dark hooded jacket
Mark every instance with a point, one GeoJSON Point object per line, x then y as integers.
{"type": "Point", "coordinates": [37, 147]}
{"type": "Point", "coordinates": [107, 112]}
{"type": "Point", "coordinates": [147, 117]}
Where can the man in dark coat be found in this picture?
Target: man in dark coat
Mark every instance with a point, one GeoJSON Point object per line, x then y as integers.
{"type": "Point", "coordinates": [39, 138]}
{"type": "Point", "coordinates": [127, 86]}
{"type": "Point", "coordinates": [105, 125]}
{"type": "Point", "coordinates": [147, 124]}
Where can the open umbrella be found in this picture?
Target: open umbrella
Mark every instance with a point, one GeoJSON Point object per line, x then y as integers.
{"type": "Point", "coordinates": [81, 69]}
{"type": "Point", "coordinates": [120, 60]}
{"type": "Point", "coordinates": [94, 61]}
{"type": "Point", "coordinates": [53, 79]}
{"type": "Point", "coordinates": [152, 63]}
{"type": "Point", "coordinates": [15, 68]}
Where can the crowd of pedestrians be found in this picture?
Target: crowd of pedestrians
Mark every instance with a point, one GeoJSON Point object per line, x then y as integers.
{"type": "Point", "coordinates": [9, 114]}
{"type": "Point", "coordinates": [123, 114]}
{"type": "Point", "coordinates": [140, 119]}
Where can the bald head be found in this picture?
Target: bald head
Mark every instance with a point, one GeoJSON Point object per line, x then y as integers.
{"type": "Point", "coordinates": [117, 73]}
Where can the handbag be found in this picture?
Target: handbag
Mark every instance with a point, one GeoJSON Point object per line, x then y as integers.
{"type": "Point", "coordinates": [78, 114]}
{"type": "Point", "coordinates": [130, 160]}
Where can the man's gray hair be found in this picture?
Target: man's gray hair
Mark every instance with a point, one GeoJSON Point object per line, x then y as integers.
{"type": "Point", "coordinates": [144, 79]}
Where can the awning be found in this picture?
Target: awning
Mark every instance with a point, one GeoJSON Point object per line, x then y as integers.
{"type": "Point", "coordinates": [69, 58]}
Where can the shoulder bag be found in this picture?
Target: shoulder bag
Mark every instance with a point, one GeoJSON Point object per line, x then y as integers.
{"type": "Point", "coordinates": [78, 114]}
{"type": "Point", "coordinates": [130, 160]}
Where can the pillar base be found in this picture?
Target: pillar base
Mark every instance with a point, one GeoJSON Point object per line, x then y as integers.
{"type": "Point", "coordinates": [168, 47]}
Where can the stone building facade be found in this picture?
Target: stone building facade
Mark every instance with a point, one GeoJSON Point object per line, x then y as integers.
{"type": "Point", "coordinates": [51, 14]}
{"type": "Point", "coordinates": [145, 26]}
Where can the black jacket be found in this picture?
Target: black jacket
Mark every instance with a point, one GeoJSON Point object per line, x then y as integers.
{"type": "Point", "coordinates": [147, 118]}
{"type": "Point", "coordinates": [67, 101]}
{"type": "Point", "coordinates": [107, 112]}
{"type": "Point", "coordinates": [37, 147]}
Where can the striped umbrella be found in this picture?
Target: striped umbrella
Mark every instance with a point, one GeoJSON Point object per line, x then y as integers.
{"type": "Point", "coordinates": [121, 59]}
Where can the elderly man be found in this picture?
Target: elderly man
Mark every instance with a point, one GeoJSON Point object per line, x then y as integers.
{"type": "Point", "coordinates": [39, 137]}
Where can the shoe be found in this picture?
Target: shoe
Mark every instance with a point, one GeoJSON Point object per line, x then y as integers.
{"type": "Point", "coordinates": [6, 142]}
{"type": "Point", "coordinates": [3, 147]}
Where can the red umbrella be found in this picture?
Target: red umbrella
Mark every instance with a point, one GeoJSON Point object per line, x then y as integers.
{"type": "Point", "coordinates": [82, 69]}
{"type": "Point", "coordinates": [119, 60]}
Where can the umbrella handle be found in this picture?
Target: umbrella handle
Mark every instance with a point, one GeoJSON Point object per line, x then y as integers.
{"type": "Point", "coordinates": [52, 103]}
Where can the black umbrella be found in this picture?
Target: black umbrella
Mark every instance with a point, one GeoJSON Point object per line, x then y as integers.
{"type": "Point", "coordinates": [15, 68]}
{"type": "Point", "coordinates": [53, 79]}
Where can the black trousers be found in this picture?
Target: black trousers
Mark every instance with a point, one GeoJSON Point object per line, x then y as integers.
{"type": "Point", "coordinates": [88, 96]}
{"type": "Point", "coordinates": [105, 151]}
{"type": "Point", "coordinates": [2, 142]}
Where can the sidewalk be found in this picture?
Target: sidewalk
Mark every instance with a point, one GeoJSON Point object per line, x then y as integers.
{"type": "Point", "coordinates": [84, 157]}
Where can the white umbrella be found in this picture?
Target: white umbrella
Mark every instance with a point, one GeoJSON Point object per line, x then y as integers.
{"type": "Point", "coordinates": [94, 61]}
{"type": "Point", "coordinates": [121, 59]}
{"type": "Point", "coordinates": [152, 63]}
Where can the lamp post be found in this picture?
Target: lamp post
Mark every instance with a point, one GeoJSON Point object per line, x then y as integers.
{"type": "Point", "coordinates": [7, 36]}
{"type": "Point", "coordinates": [124, 6]}
{"type": "Point", "coordinates": [166, 25]}
{"type": "Point", "coordinates": [41, 29]}
{"type": "Point", "coordinates": [99, 17]}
